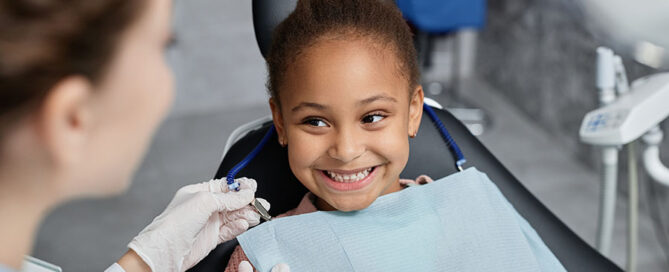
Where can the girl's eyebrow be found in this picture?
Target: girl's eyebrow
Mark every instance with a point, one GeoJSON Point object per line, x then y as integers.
{"type": "Point", "coordinates": [309, 105]}
{"type": "Point", "coordinates": [361, 102]}
{"type": "Point", "coordinates": [375, 98]}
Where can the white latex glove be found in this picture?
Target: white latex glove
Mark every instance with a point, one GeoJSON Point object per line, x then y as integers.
{"type": "Point", "coordinates": [245, 266]}
{"type": "Point", "coordinates": [199, 217]}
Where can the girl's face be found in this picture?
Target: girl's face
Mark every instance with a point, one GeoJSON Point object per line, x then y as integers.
{"type": "Point", "coordinates": [346, 116]}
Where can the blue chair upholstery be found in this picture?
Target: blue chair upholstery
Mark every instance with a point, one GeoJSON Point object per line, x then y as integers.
{"type": "Point", "coordinates": [441, 16]}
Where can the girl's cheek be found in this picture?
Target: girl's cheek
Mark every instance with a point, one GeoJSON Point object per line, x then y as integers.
{"type": "Point", "coordinates": [303, 146]}
{"type": "Point", "coordinates": [395, 137]}
{"type": "Point", "coordinates": [395, 145]}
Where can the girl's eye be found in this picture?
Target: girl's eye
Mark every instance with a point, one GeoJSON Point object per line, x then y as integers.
{"type": "Point", "coordinates": [372, 118]}
{"type": "Point", "coordinates": [316, 123]}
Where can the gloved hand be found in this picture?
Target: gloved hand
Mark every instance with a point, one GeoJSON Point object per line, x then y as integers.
{"type": "Point", "coordinates": [245, 266]}
{"type": "Point", "coordinates": [199, 217]}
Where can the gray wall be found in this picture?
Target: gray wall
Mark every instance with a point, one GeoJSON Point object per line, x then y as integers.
{"type": "Point", "coordinates": [541, 55]}
{"type": "Point", "coordinates": [216, 61]}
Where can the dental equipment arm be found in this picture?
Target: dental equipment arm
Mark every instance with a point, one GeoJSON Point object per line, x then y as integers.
{"type": "Point", "coordinates": [651, 156]}
{"type": "Point", "coordinates": [609, 69]}
{"type": "Point", "coordinates": [629, 117]}
{"type": "Point", "coordinates": [199, 217]}
{"type": "Point", "coordinates": [638, 110]}
{"type": "Point", "coordinates": [633, 207]}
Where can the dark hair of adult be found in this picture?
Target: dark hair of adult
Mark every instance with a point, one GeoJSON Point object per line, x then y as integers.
{"type": "Point", "coordinates": [45, 41]}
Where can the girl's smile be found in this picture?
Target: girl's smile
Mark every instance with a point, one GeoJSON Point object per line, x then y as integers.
{"type": "Point", "coordinates": [351, 180]}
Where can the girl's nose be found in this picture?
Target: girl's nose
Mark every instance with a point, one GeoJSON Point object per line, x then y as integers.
{"type": "Point", "coordinates": [347, 146]}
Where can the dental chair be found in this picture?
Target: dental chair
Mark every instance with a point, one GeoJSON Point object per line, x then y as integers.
{"type": "Point", "coordinates": [429, 155]}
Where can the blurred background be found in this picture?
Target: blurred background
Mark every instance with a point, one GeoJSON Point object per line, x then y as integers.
{"type": "Point", "coordinates": [522, 77]}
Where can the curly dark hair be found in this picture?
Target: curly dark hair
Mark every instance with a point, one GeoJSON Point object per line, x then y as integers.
{"type": "Point", "coordinates": [379, 22]}
{"type": "Point", "coordinates": [44, 41]}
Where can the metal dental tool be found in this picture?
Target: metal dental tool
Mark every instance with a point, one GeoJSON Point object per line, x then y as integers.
{"type": "Point", "coordinates": [261, 210]}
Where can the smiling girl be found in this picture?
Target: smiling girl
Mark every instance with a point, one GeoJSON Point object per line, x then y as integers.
{"type": "Point", "coordinates": [345, 98]}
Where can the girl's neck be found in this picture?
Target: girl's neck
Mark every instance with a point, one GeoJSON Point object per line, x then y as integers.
{"type": "Point", "coordinates": [21, 212]}
{"type": "Point", "coordinates": [323, 205]}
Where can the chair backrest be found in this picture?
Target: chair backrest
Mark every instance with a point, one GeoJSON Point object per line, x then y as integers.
{"type": "Point", "coordinates": [267, 14]}
{"type": "Point", "coordinates": [443, 16]}
{"type": "Point", "coordinates": [428, 155]}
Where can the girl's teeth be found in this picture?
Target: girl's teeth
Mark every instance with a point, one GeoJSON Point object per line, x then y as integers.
{"type": "Point", "coordinates": [349, 178]}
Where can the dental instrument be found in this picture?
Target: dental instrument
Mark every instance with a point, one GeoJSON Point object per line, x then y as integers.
{"type": "Point", "coordinates": [606, 84]}
{"type": "Point", "coordinates": [239, 132]}
{"type": "Point", "coordinates": [635, 113]}
{"type": "Point", "coordinates": [651, 156]}
{"type": "Point", "coordinates": [261, 210]}
{"type": "Point", "coordinates": [234, 185]}
{"type": "Point", "coordinates": [458, 157]}
{"type": "Point", "coordinates": [629, 117]}
{"type": "Point", "coordinates": [230, 178]}
{"type": "Point", "coordinates": [633, 215]}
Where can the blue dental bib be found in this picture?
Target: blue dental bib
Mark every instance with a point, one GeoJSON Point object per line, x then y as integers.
{"type": "Point", "coordinates": [458, 223]}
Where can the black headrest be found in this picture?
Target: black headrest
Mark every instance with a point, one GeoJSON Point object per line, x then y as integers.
{"type": "Point", "coordinates": [267, 14]}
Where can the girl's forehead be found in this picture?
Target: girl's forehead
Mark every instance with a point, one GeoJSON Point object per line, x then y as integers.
{"type": "Point", "coordinates": [348, 47]}
{"type": "Point", "coordinates": [343, 69]}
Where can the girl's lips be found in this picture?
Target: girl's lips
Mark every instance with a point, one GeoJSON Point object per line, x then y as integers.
{"type": "Point", "coordinates": [348, 186]}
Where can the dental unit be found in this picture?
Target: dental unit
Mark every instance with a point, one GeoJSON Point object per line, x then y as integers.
{"type": "Point", "coordinates": [626, 114]}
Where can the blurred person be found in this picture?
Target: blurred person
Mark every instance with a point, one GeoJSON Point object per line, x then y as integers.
{"type": "Point", "coordinates": [83, 86]}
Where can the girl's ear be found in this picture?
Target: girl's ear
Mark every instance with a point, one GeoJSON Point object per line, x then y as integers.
{"type": "Point", "coordinates": [277, 118]}
{"type": "Point", "coordinates": [415, 110]}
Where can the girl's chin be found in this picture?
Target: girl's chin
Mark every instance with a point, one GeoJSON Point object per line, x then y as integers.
{"type": "Point", "coordinates": [344, 204]}
{"type": "Point", "coordinates": [352, 209]}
